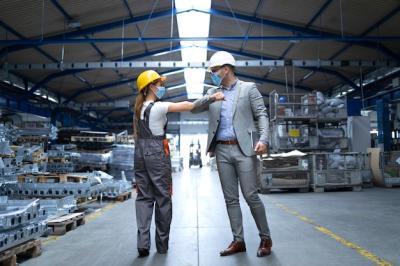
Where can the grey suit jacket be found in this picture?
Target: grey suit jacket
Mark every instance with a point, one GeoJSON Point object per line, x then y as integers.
{"type": "Point", "coordinates": [249, 116]}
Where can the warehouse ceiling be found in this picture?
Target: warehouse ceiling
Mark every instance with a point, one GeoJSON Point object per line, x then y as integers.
{"type": "Point", "coordinates": [328, 22]}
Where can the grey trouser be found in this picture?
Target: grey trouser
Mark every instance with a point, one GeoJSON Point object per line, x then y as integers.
{"type": "Point", "coordinates": [153, 180]}
{"type": "Point", "coordinates": [233, 167]}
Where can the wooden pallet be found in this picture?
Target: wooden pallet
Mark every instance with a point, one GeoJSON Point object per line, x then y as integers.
{"type": "Point", "coordinates": [51, 178]}
{"type": "Point", "coordinates": [80, 202]}
{"type": "Point", "coordinates": [123, 197]}
{"type": "Point", "coordinates": [30, 249]}
{"type": "Point", "coordinates": [66, 223]}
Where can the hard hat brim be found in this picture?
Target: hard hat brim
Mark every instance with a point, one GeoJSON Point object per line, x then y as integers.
{"type": "Point", "coordinates": [209, 68]}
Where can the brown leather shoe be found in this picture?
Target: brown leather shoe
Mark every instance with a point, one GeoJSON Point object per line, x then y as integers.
{"type": "Point", "coordinates": [265, 247]}
{"type": "Point", "coordinates": [235, 247]}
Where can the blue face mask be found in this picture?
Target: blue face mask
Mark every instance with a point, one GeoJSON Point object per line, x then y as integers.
{"type": "Point", "coordinates": [160, 92]}
{"type": "Point", "coordinates": [216, 79]}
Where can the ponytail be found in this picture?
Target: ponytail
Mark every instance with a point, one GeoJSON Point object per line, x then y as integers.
{"type": "Point", "coordinates": [140, 98]}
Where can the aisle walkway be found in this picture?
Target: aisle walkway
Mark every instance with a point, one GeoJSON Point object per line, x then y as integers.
{"type": "Point", "coordinates": [308, 229]}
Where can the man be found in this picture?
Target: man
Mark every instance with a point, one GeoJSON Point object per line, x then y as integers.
{"type": "Point", "coordinates": [231, 133]}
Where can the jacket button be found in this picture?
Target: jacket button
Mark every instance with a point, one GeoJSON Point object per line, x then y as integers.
{"type": "Point", "coordinates": [217, 120]}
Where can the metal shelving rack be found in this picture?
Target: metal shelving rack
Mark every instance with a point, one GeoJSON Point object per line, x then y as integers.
{"type": "Point", "coordinates": [301, 121]}
{"type": "Point", "coordinates": [336, 170]}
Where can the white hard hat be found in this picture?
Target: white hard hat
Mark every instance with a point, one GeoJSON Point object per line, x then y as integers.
{"type": "Point", "coordinates": [221, 58]}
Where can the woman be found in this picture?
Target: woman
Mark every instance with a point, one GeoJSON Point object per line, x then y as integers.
{"type": "Point", "coordinates": [152, 161]}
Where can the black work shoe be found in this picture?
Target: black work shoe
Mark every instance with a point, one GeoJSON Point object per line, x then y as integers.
{"type": "Point", "coordinates": [162, 251]}
{"type": "Point", "coordinates": [143, 252]}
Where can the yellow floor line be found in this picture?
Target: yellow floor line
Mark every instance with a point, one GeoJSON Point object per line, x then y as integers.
{"type": "Point", "coordinates": [88, 218]}
{"type": "Point", "coordinates": [365, 253]}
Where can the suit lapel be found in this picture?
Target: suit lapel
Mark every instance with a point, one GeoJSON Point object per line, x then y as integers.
{"type": "Point", "coordinates": [236, 99]}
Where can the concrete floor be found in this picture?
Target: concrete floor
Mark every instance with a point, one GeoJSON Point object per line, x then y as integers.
{"type": "Point", "coordinates": [331, 228]}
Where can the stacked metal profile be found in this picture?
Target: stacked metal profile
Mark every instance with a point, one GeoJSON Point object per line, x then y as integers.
{"type": "Point", "coordinates": [336, 170]}
{"type": "Point", "coordinates": [20, 221]}
{"type": "Point", "coordinates": [89, 186]}
{"type": "Point", "coordinates": [94, 149]}
{"type": "Point", "coordinates": [58, 207]}
{"type": "Point", "coordinates": [89, 140]}
{"type": "Point", "coordinates": [61, 161]}
{"type": "Point", "coordinates": [93, 160]}
{"type": "Point", "coordinates": [8, 132]}
{"type": "Point", "coordinates": [24, 160]}
{"type": "Point", "coordinates": [8, 163]}
{"type": "Point", "coordinates": [122, 160]}
{"type": "Point", "coordinates": [114, 188]}
{"type": "Point", "coordinates": [36, 132]}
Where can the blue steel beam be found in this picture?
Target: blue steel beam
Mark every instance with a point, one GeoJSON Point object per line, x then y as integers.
{"type": "Point", "coordinates": [69, 18]}
{"type": "Point", "coordinates": [109, 112]}
{"type": "Point", "coordinates": [128, 9]}
{"type": "Point", "coordinates": [50, 77]}
{"type": "Point", "coordinates": [239, 53]}
{"type": "Point", "coordinates": [276, 82]}
{"type": "Point", "coordinates": [297, 29]}
{"type": "Point", "coordinates": [5, 50]}
{"type": "Point", "coordinates": [316, 15]}
{"type": "Point", "coordinates": [99, 28]}
{"type": "Point", "coordinates": [313, 34]}
{"type": "Point", "coordinates": [251, 25]}
{"type": "Point", "coordinates": [24, 105]}
{"type": "Point", "coordinates": [369, 30]}
{"type": "Point", "coordinates": [177, 48]}
{"type": "Point", "coordinates": [336, 74]}
{"type": "Point", "coordinates": [316, 69]}
{"type": "Point", "coordinates": [36, 48]}
{"type": "Point", "coordinates": [53, 76]}
{"type": "Point", "coordinates": [108, 85]}
{"type": "Point", "coordinates": [347, 39]}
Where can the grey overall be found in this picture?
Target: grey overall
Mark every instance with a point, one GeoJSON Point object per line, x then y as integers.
{"type": "Point", "coordinates": [154, 186]}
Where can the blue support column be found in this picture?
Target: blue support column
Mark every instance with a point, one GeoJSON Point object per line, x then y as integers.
{"type": "Point", "coordinates": [384, 128]}
{"type": "Point", "coordinates": [354, 107]}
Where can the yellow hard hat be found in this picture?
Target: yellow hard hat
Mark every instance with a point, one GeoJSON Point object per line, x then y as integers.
{"type": "Point", "coordinates": [147, 77]}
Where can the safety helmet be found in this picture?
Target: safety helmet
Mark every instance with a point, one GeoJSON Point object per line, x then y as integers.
{"type": "Point", "coordinates": [147, 77]}
{"type": "Point", "coordinates": [221, 58]}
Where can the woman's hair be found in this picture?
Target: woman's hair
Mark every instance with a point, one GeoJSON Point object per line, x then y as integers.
{"type": "Point", "coordinates": [140, 98]}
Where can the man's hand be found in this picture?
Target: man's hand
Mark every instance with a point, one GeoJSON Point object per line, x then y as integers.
{"type": "Point", "coordinates": [260, 148]}
{"type": "Point", "coordinates": [218, 96]}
